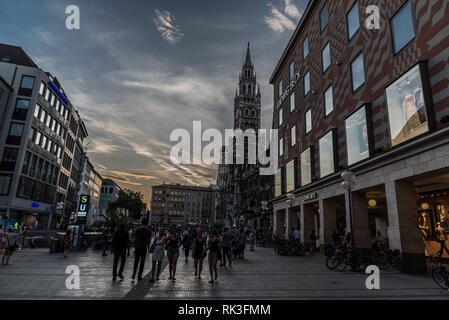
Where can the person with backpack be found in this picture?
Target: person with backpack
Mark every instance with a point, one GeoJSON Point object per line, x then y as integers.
{"type": "Point", "coordinates": [10, 246]}
{"type": "Point", "coordinates": [142, 238]}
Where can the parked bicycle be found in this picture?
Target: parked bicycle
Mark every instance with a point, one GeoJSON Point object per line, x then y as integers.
{"type": "Point", "coordinates": [343, 257]}
{"type": "Point", "coordinates": [388, 260]}
{"type": "Point", "coordinates": [439, 273]}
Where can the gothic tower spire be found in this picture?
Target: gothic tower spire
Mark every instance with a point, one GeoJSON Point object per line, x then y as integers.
{"type": "Point", "coordinates": [248, 61]}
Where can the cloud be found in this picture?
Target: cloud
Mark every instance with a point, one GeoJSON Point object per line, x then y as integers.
{"type": "Point", "coordinates": [280, 21]}
{"type": "Point", "coordinates": [134, 175]}
{"type": "Point", "coordinates": [165, 24]}
{"type": "Point", "coordinates": [44, 36]}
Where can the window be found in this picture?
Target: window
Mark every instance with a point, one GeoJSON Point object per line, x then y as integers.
{"type": "Point", "coordinates": [357, 137]}
{"type": "Point", "coordinates": [402, 28]}
{"type": "Point", "coordinates": [15, 133]}
{"type": "Point", "coordinates": [33, 166]}
{"type": "Point", "coordinates": [52, 100]}
{"type": "Point", "coordinates": [42, 88]}
{"type": "Point", "coordinates": [406, 107]}
{"type": "Point", "coordinates": [353, 20]}
{"type": "Point", "coordinates": [358, 72]}
{"type": "Point", "coordinates": [328, 101]}
{"type": "Point", "coordinates": [305, 48]}
{"type": "Point", "coordinates": [5, 183]}
{"type": "Point", "coordinates": [32, 133]}
{"type": "Point", "coordinates": [280, 117]}
{"type": "Point", "coordinates": [58, 104]}
{"type": "Point", "coordinates": [43, 115]}
{"type": "Point", "coordinates": [292, 70]}
{"type": "Point", "coordinates": [27, 83]}
{"type": "Point", "coordinates": [43, 141]}
{"type": "Point", "coordinates": [293, 135]}
{"type": "Point", "coordinates": [280, 89]}
{"type": "Point", "coordinates": [306, 168]}
{"type": "Point", "coordinates": [21, 110]}
{"type": "Point", "coordinates": [326, 56]}
{"type": "Point", "coordinates": [278, 183]}
{"type": "Point", "coordinates": [290, 176]}
{"type": "Point", "coordinates": [306, 83]}
{"type": "Point", "coordinates": [26, 162]}
{"type": "Point", "coordinates": [47, 94]}
{"type": "Point", "coordinates": [9, 159]}
{"type": "Point", "coordinates": [292, 102]}
{"type": "Point", "coordinates": [281, 147]}
{"type": "Point", "coordinates": [308, 121]}
{"type": "Point", "coordinates": [36, 111]}
{"type": "Point", "coordinates": [38, 138]}
{"type": "Point", "coordinates": [326, 155]}
{"type": "Point", "coordinates": [47, 123]}
{"type": "Point", "coordinates": [324, 17]}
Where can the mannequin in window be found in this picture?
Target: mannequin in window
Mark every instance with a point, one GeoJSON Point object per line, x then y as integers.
{"type": "Point", "coordinates": [441, 238]}
{"type": "Point", "coordinates": [425, 226]}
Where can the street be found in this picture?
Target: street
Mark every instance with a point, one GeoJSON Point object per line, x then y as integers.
{"type": "Point", "coordinates": [36, 274]}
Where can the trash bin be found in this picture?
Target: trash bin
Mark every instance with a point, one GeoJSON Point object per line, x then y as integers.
{"type": "Point", "coordinates": [55, 245]}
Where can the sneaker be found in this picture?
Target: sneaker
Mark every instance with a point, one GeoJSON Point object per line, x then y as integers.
{"type": "Point", "coordinates": [199, 277]}
{"type": "Point", "coordinates": [114, 279]}
{"type": "Point", "coordinates": [211, 281]}
{"type": "Point", "coordinates": [139, 279]}
{"type": "Point", "coordinates": [121, 277]}
{"type": "Point", "coordinates": [216, 277]}
{"type": "Point", "coordinates": [196, 273]}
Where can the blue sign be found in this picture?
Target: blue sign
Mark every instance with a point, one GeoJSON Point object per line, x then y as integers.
{"type": "Point", "coordinates": [83, 207]}
{"type": "Point", "coordinates": [58, 92]}
{"type": "Point", "coordinates": [35, 205]}
{"type": "Point", "coordinates": [53, 208]}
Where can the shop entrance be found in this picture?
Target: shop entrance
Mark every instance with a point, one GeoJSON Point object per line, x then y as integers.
{"type": "Point", "coordinates": [332, 214]}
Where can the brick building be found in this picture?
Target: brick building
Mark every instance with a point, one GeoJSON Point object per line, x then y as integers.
{"type": "Point", "coordinates": [375, 102]}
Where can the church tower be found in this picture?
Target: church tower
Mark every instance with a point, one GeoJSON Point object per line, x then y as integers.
{"type": "Point", "coordinates": [247, 102]}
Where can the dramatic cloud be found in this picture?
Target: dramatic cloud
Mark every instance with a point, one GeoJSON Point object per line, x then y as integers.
{"type": "Point", "coordinates": [165, 24]}
{"type": "Point", "coordinates": [283, 21]}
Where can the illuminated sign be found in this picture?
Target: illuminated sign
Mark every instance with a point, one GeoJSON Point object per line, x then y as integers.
{"type": "Point", "coordinates": [58, 92]}
{"type": "Point", "coordinates": [287, 91]}
{"type": "Point", "coordinates": [35, 205]}
{"type": "Point", "coordinates": [83, 207]}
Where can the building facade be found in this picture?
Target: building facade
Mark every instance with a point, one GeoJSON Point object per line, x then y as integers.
{"type": "Point", "coordinates": [372, 101]}
{"type": "Point", "coordinates": [39, 129]}
{"type": "Point", "coordinates": [177, 204]}
{"type": "Point", "coordinates": [109, 193]}
{"type": "Point", "coordinates": [91, 185]}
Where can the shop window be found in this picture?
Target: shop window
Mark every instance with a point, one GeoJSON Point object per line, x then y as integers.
{"type": "Point", "coordinates": [328, 101]}
{"type": "Point", "coordinates": [406, 107]}
{"type": "Point", "coordinates": [306, 167]}
{"type": "Point", "coordinates": [278, 183]}
{"type": "Point", "coordinates": [306, 83]}
{"type": "Point", "coordinates": [25, 189]}
{"type": "Point", "coordinates": [305, 48]}
{"type": "Point", "coordinates": [21, 109]}
{"type": "Point", "coordinates": [292, 102]}
{"type": "Point", "coordinates": [324, 17]}
{"type": "Point", "coordinates": [402, 28]}
{"type": "Point", "coordinates": [357, 140]}
{"type": "Point", "coordinates": [353, 20]}
{"type": "Point", "coordinates": [326, 146]}
{"type": "Point", "coordinates": [326, 57]}
{"type": "Point", "coordinates": [5, 184]}
{"type": "Point", "coordinates": [15, 134]}
{"type": "Point", "coordinates": [357, 72]}
{"type": "Point", "coordinates": [308, 120]}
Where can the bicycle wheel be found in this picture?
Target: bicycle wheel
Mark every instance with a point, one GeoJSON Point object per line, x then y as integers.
{"type": "Point", "coordinates": [342, 262]}
{"type": "Point", "coordinates": [396, 265]}
{"type": "Point", "coordinates": [332, 262]}
{"type": "Point", "coordinates": [441, 278]}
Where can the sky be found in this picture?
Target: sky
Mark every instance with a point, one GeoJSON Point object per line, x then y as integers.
{"type": "Point", "coordinates": [138, 69]}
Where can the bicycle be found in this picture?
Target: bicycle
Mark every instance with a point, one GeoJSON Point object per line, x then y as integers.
{"type": "Point", "coordinates": [439, 273]}
{"type": "Point", "coordinates": [389, 260]}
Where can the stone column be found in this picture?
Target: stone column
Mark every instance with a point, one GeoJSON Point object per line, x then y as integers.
{"type": "Point", "coordinates": [362, 233]}
{"type": "Point", "coordinates": [403, 232]}
{"type": "Point", "coordinates": [328, 220]}
{"type": "Point", "coordinates": [288, 224]}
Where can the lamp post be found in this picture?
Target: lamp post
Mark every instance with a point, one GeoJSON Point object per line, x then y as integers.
{"type": "Point", "coordinates": [348, 184]}
{"type": "Point", "coordinates": [290, 200]}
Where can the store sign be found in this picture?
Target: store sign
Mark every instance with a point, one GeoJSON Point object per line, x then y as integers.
{"type": "Point", "coordinates": [311, 197]}
{"type": "Point", "coordinates": [83, 206]}
{"type": "Point", "coordinates": [287, 91]}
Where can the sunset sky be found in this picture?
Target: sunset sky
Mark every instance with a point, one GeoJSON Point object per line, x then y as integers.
{"type": "Point", "coordinates": [136, 70]}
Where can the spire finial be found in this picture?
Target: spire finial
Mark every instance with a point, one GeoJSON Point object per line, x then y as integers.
{"type": "Point", "coordinates": [248, 57]}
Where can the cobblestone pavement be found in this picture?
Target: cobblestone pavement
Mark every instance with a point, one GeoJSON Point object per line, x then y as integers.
{"type": "Point", "coordinates": [36, 274]}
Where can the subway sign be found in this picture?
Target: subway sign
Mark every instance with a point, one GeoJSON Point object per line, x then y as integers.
{"type": "Point", "coordinates": [83, 206]}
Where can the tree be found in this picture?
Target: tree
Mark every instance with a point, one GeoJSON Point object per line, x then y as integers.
{"type": "Point", "coordinates": [116, 217]}
{"type": "Point", "coordinates": [129, 200]}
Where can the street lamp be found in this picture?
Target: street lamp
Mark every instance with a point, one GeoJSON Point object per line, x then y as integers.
{"type": "Point", "coordinates": [348, 184]}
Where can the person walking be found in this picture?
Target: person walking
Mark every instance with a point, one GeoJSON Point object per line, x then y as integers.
{"type": "Point", "coordinates": [120, 243]}
{"type": "Point", "coordinates": [106, 237]}
{"type": "Point", "coordinates": [242, 240]}
{"type": "Point", "coordinates": [158, 250]}
{"type": "Point", "coordinates": [227, 246]}
{"type": "Point", "coordinates": [252, 240]}
{"type": "Point", "coordinates": [213, 247]}
{"type": "Point", "coordinates": [67, 242]}
{"type": "Point", "coordinates": [142, 237]}
{"type": "Point", "coordinates": [186, 242]}
{"type": "Point", "coordinates": [10, 246]}
{"type": "Point", "coordinates": [173, 244]}
{"type": "Point", "coordinates": [199, 253]}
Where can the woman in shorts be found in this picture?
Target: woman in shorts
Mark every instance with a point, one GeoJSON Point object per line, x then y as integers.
{"type": "Point", "coordinates": [173, 244]}
{"type": "Point", "coordinates": [158, 254]}
{"type": "Point", "coordinates": [213, 247]}
{"type": "Point", "coordinates": [199, 250]}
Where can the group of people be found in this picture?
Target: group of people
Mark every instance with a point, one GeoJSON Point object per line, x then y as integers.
{"type": "Point", "coordinates": [200, 244]}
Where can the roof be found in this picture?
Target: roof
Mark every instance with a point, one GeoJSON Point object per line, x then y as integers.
{"type": "Point", "coordinates": [178, 186]}
{"type": "Point", "coordinates": [16, 55]}
{"type": "Point", "coordinates": [298, 31]}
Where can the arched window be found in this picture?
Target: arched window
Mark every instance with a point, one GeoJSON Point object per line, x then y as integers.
{"type": "Point", "coordinates": [244, 89]}
{"type": "Point", "coordinates": [246, 112]}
